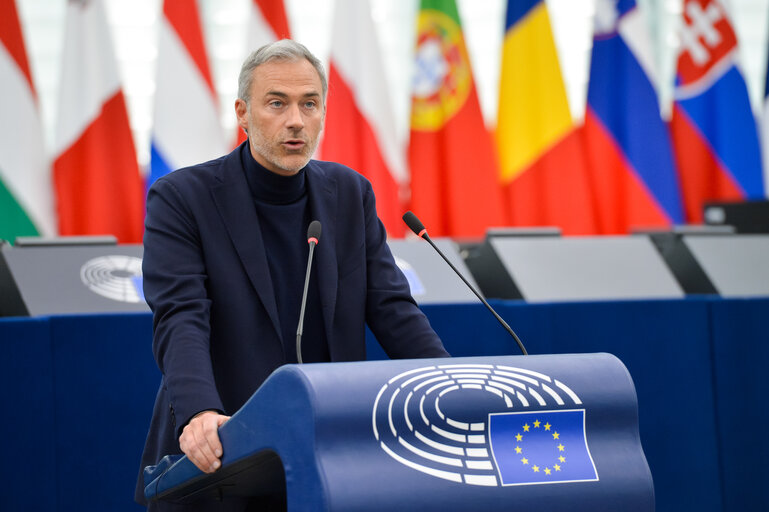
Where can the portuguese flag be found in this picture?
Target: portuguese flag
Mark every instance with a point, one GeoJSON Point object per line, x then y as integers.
{"type": "Point", "coordinates": [26, 204]}
{"type": "Point", "coordinates": [454, 186]}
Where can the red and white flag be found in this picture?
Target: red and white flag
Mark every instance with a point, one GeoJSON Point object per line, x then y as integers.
{"type": "Point", "coordinates": [360, 128]}
{"type": "Point", "coordinates": [267, 22]}
{"type": "Point", "coordinates": [98, 186]}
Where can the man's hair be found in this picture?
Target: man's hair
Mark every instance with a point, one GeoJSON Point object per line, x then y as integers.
{"type": "Point", "coordinates": [283, 50]}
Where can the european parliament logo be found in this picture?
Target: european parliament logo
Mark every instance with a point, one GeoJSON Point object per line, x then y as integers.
{"type": "Point", "coordinates": [484, 424]}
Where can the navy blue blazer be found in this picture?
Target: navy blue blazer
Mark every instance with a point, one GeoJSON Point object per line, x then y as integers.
{"type": "Point", "coordinates": [206, 278]}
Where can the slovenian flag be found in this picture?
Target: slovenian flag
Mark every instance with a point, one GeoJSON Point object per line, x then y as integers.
{"type": "Point", "coordinates": [99, 190]}
{"type": "Point", "coordinates": [632, 169]}
{"type": "Point", "coordinates": [360, 126]}
{"type": "Point", "coordinates": [186, 128]}
{"type": "Point", "coordinates": [26, 197]}
{"type": "Point", "coordinates": [542, 162]}
{"type": "Point", "coordinates": [714, 132]}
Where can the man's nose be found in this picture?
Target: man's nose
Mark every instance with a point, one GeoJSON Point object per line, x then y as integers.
{"type": "Point", "coordinates": [294, 119]}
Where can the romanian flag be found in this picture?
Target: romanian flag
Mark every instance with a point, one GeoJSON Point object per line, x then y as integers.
{"type": "Point", "coordinates": [186, 129]}
{"type": "Point", "coordinates": [630, 157]}
{"type": "Point", "coordinates": [714, 132]}
{"type": "Point", "coordinates": [454, 185]}
{"type": "Point", "coordinates": [360, 127]}
{"type": "Point", "coordinates": [267, 22]}
{"type": "Point", "coordinates": [26, 198]}
{"type": "Point", "coordinates": [542, 163]}
{"type": "Point", "coordinates": [98, 187]}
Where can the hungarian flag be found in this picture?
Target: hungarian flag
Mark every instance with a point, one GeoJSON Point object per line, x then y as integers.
{"type": "Point", "coordinates": [26, 198]}
{"type": "Point", "coordinates": [714, 132]}
{"type": "Point", "coordinates": [630, 157]}
{"type": "Point", "coordinates": [454, 184]}
{"type": "Point", "coordinates": [267, 22]}
{"type": "Point", "coordinates": [360, 128]}
{"type": "Point", "coordinates": [98, 187]}
{"type": "Point", "coordinates": [186, 129]}
{"type": "Point", "coordinates": [542, 162]}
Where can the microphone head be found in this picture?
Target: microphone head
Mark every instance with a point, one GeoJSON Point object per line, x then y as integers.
{"type": "Point", "coordinates": [414, 223]}
{"type": "Point", "coordinates": [313, 232]}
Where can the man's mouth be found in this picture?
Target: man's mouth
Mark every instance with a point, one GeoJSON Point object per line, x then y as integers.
{"type": "Point", "coordinates": [294, 144]}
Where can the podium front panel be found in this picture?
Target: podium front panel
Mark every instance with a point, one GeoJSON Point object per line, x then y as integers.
{"type": "Point", "coordinates": [50, 280]}
{"type": "Point", "coordinates": [737, 265]}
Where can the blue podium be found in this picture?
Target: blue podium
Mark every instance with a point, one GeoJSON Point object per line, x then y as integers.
{"type": "Point", "coordinates": [556, 432]}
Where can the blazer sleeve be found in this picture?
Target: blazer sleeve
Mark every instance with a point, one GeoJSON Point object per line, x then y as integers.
{"type": "Point", "coordinates": [393, 316]}
{"type": "Point", "coordinates": [174, 276]}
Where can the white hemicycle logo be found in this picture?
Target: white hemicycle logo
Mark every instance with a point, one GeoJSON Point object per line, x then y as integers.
{"type": "Point", "coordinates": [436, 419]}
{"type": "Point", "coordinates": [116, 277]}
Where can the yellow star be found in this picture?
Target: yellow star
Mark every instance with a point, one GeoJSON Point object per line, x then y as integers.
{"type": "Point", "coordinates": [525, 460]}
{"type": "Point", "coordinates": [562, 459]}
{"type": "Point", "coordinates": [548, 471]}
{"type": "Point", "coordinates": [556, 435]}
{"type": "Point", "coordinates": [518, 449]}
{"type": "Point", "coordinates": [547, 426]}
{"type": "Point", "coordinates": [557, 467]}
{"type": "Point", "coordinates": [526, 428]}
{"type": "Point", "coordinates": [518, 437]}
{"type": "Point", "coordinates": [536, 424]}
{"type": "Point", "coordinates": [535, 468]}
{"type": "Point", "coordinates": [561, 447]}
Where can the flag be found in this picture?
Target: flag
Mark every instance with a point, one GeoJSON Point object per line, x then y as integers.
{"type": "Point", "coordinates": [714, 132]}
{"type": "Point", "coordinates": [267, 22]}
{"type": "Point", "coordinates": [454, 185]}
{"type": "Point", "coordinates": [360, 127]}
{"type": "Point", "coordinates": [26, 197]}
{"type": "Point", "coordinates": [186, 128]}
{"type": "Point", "coordinates": [541, 155]}
{"type": "Point", "coordinates": [98, 187]}
{"type": "Point", "coordinates": [765, 131]}
{"type": "Point", "coordinates": [630, 156]}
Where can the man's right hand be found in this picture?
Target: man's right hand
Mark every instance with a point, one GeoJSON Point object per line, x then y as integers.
{"type": "Point", "coordinates": [200, 440]}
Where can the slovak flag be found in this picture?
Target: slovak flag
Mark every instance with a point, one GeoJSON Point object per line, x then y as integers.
{"type": "Point", "coordinates": [186, 128]}
{"type": "Point", "coordinates": [360, 127]}
{"type": "Point", "coordinates": [632, 169]}
{"type": "Point", "coordinates": [714, 132]}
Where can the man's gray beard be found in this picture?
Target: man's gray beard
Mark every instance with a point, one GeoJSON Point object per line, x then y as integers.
{"type": "Point", "coordinates": [265, 150]}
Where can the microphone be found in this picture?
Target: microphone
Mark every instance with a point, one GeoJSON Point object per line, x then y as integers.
{"type": "Point", "coordinates": [313, 236]}
{"type": "Point", "coordinates": [419, 229]}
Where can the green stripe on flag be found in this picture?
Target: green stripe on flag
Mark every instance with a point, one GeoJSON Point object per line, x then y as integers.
{"type": "Point", "coordinates": [14, 221]}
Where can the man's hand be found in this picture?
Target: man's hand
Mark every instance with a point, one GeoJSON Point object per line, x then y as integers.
{"type": "Point", "coordinates": [200, 440]}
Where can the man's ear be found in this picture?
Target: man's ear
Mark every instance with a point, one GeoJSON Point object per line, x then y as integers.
{"type": "Point", "coordinates": [241, 112]}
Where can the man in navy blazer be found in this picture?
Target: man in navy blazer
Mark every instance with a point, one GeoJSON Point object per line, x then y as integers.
{"type": "Point", "coordinates": [224, 257]}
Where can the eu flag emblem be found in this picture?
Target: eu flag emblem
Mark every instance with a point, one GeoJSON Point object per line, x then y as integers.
{"type": "Point", "coordinates": [541, 447]}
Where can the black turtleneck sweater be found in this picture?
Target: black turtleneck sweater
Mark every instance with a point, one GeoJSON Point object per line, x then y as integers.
{"type": "Point", "coordinates": [282, 206]}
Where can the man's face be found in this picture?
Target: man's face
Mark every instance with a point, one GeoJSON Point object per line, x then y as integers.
{"type": "Point", "coordinates": [284, 116]}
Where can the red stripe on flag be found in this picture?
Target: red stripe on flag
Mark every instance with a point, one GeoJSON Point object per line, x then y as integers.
{"type": "Point", "coordinates": [622, 201]}
{"type": "Point", "coordinates": [554, 190]}
{"type": "Point", "coordinates": [98, 188]}
{"type": "Point", "coordinates": [12, 38]}
{"type": "Point", "coordinates": [703, 177]}
{"type": "Point", "coordinates": [184, 18]}
{"type": "Point", "coordinates": [275, 14]}
{"type": "Point", "coordinates": [349, 139]}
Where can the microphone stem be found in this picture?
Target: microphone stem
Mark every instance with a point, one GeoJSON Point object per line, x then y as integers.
{"type": "Point", "coordinates": [499, 318]}
{"type": "Point", "coordinates": [300, 327]}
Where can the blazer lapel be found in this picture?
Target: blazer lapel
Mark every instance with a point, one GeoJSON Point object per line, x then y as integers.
{"type": "Point", "coordinates": [236, 207]}
{"type": "Point", "coordinates": [323, 207]}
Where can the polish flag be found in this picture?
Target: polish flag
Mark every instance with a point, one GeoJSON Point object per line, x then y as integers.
{"type": "Point", "coordinates": [186, 129]}
{"type": "Point", "coordinates": [26, 196]}
{"type": "Point", "coordinates": [267, 23]}
{"type": "Point", "coordinates": [98, 187]}
{"type": "Point", "coordinates": [360, 129]}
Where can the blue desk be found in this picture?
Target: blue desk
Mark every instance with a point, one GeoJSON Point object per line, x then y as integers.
{"type": "Point", "coordinates": [78, 391]}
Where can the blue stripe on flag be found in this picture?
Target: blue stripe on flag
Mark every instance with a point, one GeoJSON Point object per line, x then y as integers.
{"type": "Point", "coordinates": [724, 117]}
{"type": "Point", "coordinates": [541, 447]}
{"type": "Point", "coordinates": [517, 9]}
{"type": "Point", "coordinates": [622, 96]}
{"type": "Point", "coordinates": [158, 165]}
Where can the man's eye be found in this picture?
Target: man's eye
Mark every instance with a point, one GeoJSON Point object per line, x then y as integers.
{"type": "Point", "coordinates": [310, 104]}
{"type": "Point", "coordinates": [276, 103]}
